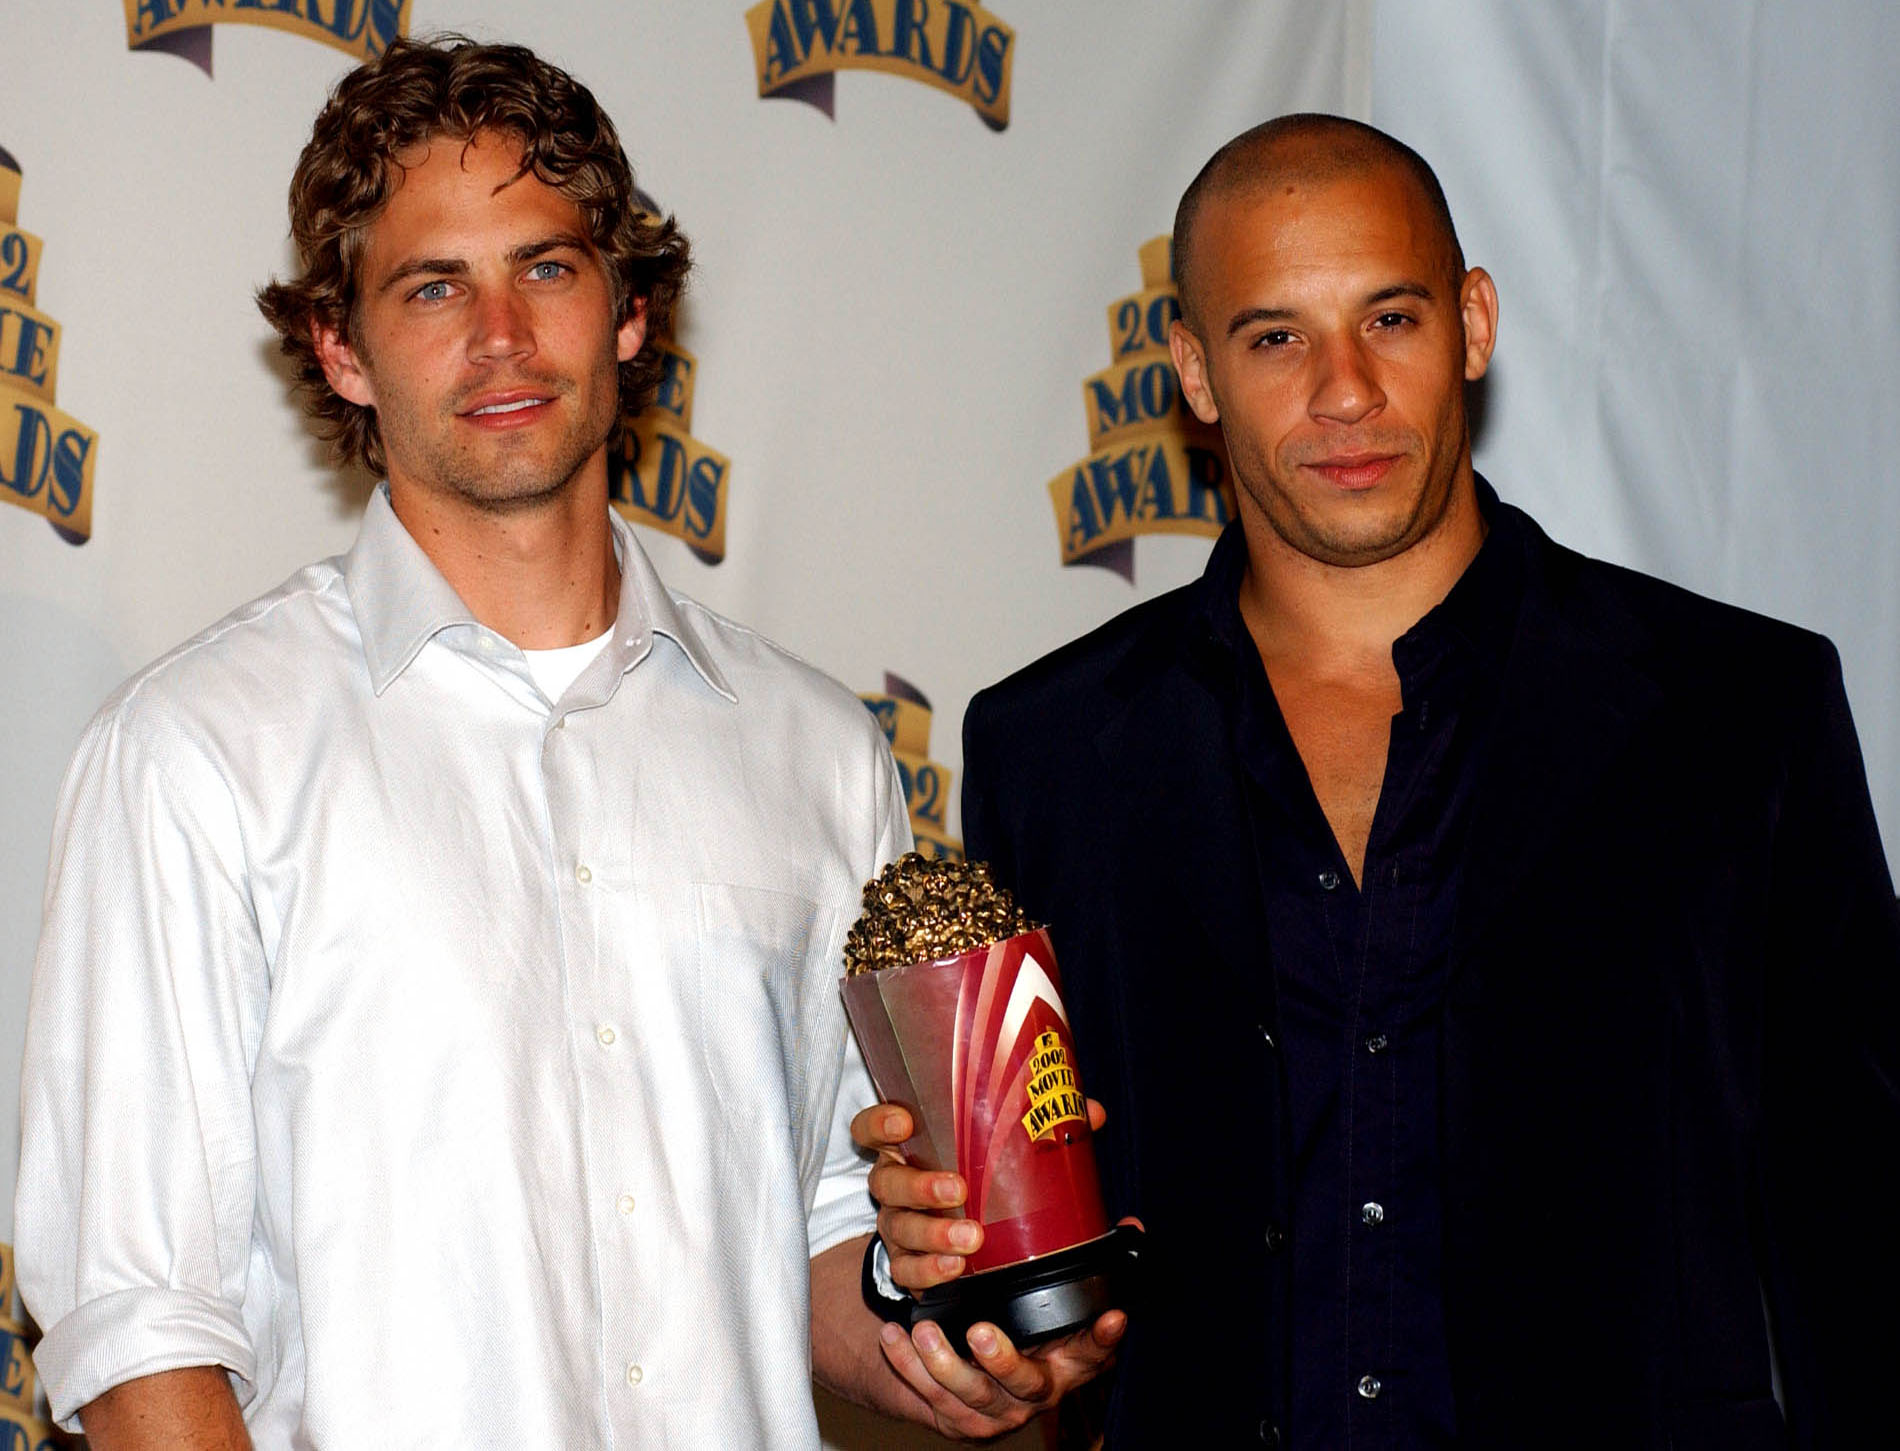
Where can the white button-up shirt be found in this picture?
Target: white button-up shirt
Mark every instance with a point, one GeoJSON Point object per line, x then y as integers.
{"type": "Point", "coordinates": [456, 1067]}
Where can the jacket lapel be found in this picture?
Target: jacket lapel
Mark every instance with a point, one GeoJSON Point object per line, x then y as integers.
{"type": "Point", "coordinates": [1184, 824]}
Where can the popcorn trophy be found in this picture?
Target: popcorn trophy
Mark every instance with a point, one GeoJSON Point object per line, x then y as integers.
{"type": "Point", "coordinates": [956, 1002]}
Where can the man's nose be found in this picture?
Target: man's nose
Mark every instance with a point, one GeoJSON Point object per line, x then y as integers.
{"type": "Point", "coordinates": [1346, 388]}
{"type": "Point", "coordinates": [502, 327]}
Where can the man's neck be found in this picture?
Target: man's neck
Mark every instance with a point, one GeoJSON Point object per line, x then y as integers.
{"type": "Point", "coordinates": [1326, 620]}
{"type": "Point", "coordinates": [541, 577]}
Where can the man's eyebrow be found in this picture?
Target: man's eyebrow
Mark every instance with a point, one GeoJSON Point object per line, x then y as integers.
{"type": "Point", "coordinates": [1402, 289]}
{"type": "Point", "coordinates": [1247, 317]}
{"type": "Point", "coordinates": [421, 266]}
{"type": "Point", "coordinates": [528, 251]}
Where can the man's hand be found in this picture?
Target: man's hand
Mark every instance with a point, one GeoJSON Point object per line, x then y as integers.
{"type": "Point", "coordinates": [1002, 1388]}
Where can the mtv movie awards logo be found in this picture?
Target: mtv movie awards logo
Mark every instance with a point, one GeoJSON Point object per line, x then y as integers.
{"type": "Point", "coordinates": [24, 1425]}
{"type": "Point", "coordinates": [954, 45]}
{"type": "Point", "coordinates": [358, 28]}
{"type": "Point", "coordinates": [904, 715]}
{"type": "Point", "coordinates": [46, 456]}
{"type": "Point", "coordinates": [1153, 467]}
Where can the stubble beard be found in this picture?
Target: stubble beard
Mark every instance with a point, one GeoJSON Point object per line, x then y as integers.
{"type": "Point", "coordinates": [510, 475]}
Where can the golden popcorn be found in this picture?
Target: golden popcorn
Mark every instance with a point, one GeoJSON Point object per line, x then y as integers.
{"type": "Point", "coordinates": [919, 910]}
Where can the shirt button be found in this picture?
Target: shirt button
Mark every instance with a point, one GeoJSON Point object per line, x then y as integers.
{"type": "Point", "coordinates": [635, 1375]}
{"type": "Point", "coordinates": [1269, 1434]}
{"type": "Point", "coordinates": [1369, 1387]}
{"type": "Point", "coordinates": [625, 1204]}
{"type": "Point", "coordinates": [1275, 1237]}
{"type": "Point", "coordinates": [1376, 1043]}
{"type": "Point", "coordinates": [1328, 880]}
{"type": "Point", "coordinates": [1372, 1213]}
{"type": "Point", "coordinates": [606, 1035]}
{"type": "Point", "coordinates": [582, 874]}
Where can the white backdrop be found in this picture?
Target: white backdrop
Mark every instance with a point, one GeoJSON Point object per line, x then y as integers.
{"type": "Point", "coordinates": [1691, 212]}
{"type": "Point", "coordinates": [894, 310]}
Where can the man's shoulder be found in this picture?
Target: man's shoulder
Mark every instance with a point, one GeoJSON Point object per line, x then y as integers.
{"type": "Point", "coordinates": [1687, 635]}
{"type": "Point", "coordinates": [1078, 680]}
{"type": "Point", "coordinates": [248, 653]}
{"type": "Point", "coordinates": [773, 683]}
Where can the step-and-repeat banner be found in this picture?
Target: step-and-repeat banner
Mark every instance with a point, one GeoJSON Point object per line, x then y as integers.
{"type": "Point", "coordinates": [917, 421]}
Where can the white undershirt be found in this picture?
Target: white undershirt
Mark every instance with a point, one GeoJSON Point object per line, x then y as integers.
{"type": "Point", "coordinates": [555, 670]}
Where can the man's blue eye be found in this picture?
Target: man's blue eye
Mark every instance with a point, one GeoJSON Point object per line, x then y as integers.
{"type": "Point", "coordinates": [546, 271]}
{"type": "Point", "coordinates": [432, 291]}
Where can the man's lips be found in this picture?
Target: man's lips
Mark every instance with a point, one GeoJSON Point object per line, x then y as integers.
{"type": "Point", "coordinates": [512, 409]}
{"type": "Point", "coordinates": [1355, 471]}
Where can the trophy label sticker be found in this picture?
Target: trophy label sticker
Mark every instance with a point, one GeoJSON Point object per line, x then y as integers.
{"type": "Point", "coordinates": [1055, 1098]}
{"type": "Point", "coordinates": [955, 46]}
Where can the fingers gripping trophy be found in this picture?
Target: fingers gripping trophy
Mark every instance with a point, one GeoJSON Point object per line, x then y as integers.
{"type": "Point", "coordinates": [957, 1003]}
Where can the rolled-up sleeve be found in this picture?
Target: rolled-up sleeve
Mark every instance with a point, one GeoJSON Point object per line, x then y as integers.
{"type": "Point", "coordinates": [138, 1163]}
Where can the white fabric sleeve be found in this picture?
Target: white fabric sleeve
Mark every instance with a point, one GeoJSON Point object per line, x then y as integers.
{"type": "Point", "coordinates": [843, 1208]}
{"type": "Point", "coordinates": [135, 1198]}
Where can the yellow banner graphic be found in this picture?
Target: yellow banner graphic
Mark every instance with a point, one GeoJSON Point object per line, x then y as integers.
{"type": "Point", "coordinates": [675, 396]}
{"type": "Point", "coordinates": [1157, 262]}
{"type": "Point", "coordinates": [46, 462]}
{"type": "Point", "coordinates": [1139, 397]}
{"type": "Point", "coordinates": [22, 1432]}
{"type": "Point", "coordinates": [29, 350]}
{"type": "Point", "coordinates": [16, 1367]}
{"type": "Point", "coordinates": [1156, 484]}
{"type": "Point", "coordinates": [9, 188]}
{"type": "Point", "coordinates": [903, 714]}
{"type": "Point", "coordinates": [19, 262]}
{"type": "Point", "coordinates": [1055, 1097]}
{"type": "Point", "coordinates": [954, 45]}
{"type": "Point", "coordinates": [361, 29]}
{"type": "Point", "coordinates": [1152, 468]}
{"type": "Point", "coordinates": [661, 476]}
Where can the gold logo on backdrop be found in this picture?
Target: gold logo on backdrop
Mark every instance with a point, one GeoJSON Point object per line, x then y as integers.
{"type": "Point", "coordinates": [1054, 1096]}
{"type": "Point", "coordinates": [20, 1424]}
{"type": "Point", "coordinates": [358, 28]}
{"type": "Point", "coordinates": [46, 456]}
{"type": "Point", "coordinates": [904, 716]}
{"type": "Point", "coordinates": [1153, 467]}
{"type": "Point", "coordinates": [660, 475]}
{"type": "Point", "coordinates": [955, 45]}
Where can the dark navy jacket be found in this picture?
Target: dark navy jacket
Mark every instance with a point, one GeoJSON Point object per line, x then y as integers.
{"type": "Point", "coordinates": [1668, 1125]}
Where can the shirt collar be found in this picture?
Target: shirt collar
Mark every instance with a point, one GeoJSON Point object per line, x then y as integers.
{"type": "Point", "coordinates": [401, 601]}
{"type": "Point", "coordinates": [1479, 613]}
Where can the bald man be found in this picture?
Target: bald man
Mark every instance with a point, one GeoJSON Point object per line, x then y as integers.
{"type": "Point", "coordinates": [1487, 956]}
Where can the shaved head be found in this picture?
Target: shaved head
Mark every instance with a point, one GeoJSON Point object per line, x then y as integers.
{"type": "Point", "coordinates": [1303, 150]}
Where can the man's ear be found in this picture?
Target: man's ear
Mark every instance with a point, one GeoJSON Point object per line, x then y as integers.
{"type": "Point", "coordinates": [632, 332]}
{"type": "Point", "coordinates": [1190, 362]}
{"type": "Point", "coordinates": [341, 368]}
{"type": "Point", "coordinates": [1478, 309]}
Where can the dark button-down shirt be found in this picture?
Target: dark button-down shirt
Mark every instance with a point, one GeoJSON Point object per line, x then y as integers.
{"type": "Point", "coordinates": [1359, 972]}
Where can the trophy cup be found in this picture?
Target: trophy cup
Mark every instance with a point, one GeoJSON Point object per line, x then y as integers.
{"type": "Point", "coordinates": [956, 1002]}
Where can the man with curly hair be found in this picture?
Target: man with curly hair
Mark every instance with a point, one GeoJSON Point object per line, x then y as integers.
{"type": "Point", "coordinates": [434, 1038]}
